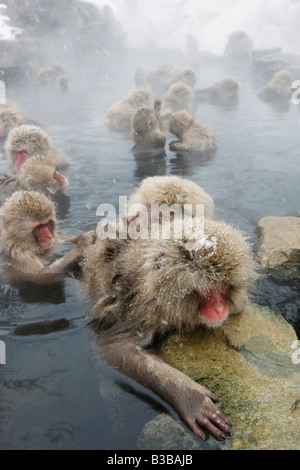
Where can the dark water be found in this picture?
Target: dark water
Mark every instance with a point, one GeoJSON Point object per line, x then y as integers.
{"type": "Point", "coordinates": [54, 391]}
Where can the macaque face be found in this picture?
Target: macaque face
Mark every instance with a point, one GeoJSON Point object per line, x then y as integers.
{"type": "Point", "coordinates": [61, 179]}
{"type": "Point", "coordinates": [188, 283]}
{"type": "Point", "coordinates": [44, 233]}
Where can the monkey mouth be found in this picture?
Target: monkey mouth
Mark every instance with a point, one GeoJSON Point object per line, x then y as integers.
{"type": "Point", "coordinates": [213, 306]}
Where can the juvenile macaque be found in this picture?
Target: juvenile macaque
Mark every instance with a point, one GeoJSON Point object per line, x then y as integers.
{"type": "Point", "coordinates": [278, 88]}
{"type": "Point", "coordinates": [192, 135]}
{"type": "Point", "coordinates": [37, 174]}
{"type": "Point", "coordinates": [239, 47]}
{"type": "Point", "coordinates": [26, 141]}
{"type": "Point", "coordinates": [172, 190]}
{"type": "Point", "coordinates": [179, 96]}
{"type": "Point", "coordinates": [10, 118]}
{"type": "Point", "coordinates": [28, 236]}
{"type": "Point", "coordinates": [221, 92]}
{"type": "Point", "coordinates": [120, 114]}
{"type": "Point", "coordinates": [144, 289]}
{"type": "Point", "coordinates": [145, 130]}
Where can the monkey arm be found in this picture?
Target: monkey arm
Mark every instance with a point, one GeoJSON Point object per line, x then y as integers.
{"type": "Point", "coordinates": [178, 145]}
{"type": "Point", "coordinates": [192, 401]}
{"type": "Point", "coordinates": [67, 239]}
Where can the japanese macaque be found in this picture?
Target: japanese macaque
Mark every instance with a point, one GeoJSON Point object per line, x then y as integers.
{"type": "Point", "coordinates": [239, 47]}
{"type": "Point", "coordinates": [28, 237]}
{"type": "Point", "coordinates": [278, 88]}
{"type": "Point", "coordinates": [120, 114]}
{"type": "Point", "coordinates": [37, 174]}
{"type": "Point", "coordinates": [159, 78]}
{"type": "Point", "coordinates": [172, 190]}
{"type": "Point", "coordinates": [10, 118]}
{"type": "Point", "coordinates": [192, 135]}
{"type": "Point", "coordinates": [146, 288]}
{"type": "Point", "coordinates": [145, 130]}
{"type": "Point", "coordinates": [53, 77]}
{"type": "Point", "coordinates": [221, 92]}
{"type": "Point", "coordinates": [187, 76]}
{"type": "Point", "coordinates": [178, 97]}
{"type": "Point", "coordinates": [26, 141]}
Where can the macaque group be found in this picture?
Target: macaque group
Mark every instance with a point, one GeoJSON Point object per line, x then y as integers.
{"type": "Point", "coordinates": [28, 237]}
{"type": "Point", "coordinates": [120, 114]}
{"type": "Point", "coordinates": [27, 141]}
{"type": "Point", "coordinates": [192, 135]}
{"type": "Point", "coordinates": [37, 174]}
{"type": "Point", "coordinates": [224, 91]}
{"type": "Point", "coordinates": [279, 87]}
{"type": "Point", "coordinates": [144, 288]}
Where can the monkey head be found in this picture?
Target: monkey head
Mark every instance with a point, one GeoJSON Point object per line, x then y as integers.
{"type": "Point", "coordinates": [24, 142]}
{"type": "Point", "coordinates": [28, 220]}
{"type": "Point", "coordinates": [161, 285]}
{"type": "Point", "coordinates": [41, 174]}
{"type": "Point", "coordinates": [180, 122]}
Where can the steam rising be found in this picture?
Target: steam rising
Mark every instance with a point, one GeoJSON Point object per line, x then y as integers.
{"type": "Point", "coordinates": [270, 23]}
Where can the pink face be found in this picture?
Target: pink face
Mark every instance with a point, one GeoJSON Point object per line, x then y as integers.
{"type": "Point", "coordinates": [43, 232]}
{"type": "Point", "coordinates": [235, 90]}
{"type": "Point", "coordinates": [61, 179]}
{"type": "Point", "coordinates": [214, 306]}
{"type": "Point", "coordinates": [20, 158]}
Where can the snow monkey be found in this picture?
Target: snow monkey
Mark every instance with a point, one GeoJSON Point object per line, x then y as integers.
{"type": "Point", "coordinates": [144, 288]}
{"type": "Point", "coordinates": [37, 174]}
{"type": "Point", "coordinates": [28, 236]}
{"type": "Point", "coordinates": [30, 141]}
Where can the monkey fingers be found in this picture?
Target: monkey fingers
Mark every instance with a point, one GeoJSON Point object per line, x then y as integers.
{"type": "Point", "coordinates": [215, 422]}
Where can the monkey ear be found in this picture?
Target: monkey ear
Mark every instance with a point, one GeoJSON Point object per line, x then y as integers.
{"type": "Point", "coordinates": [149, 125]}
{"type": "Point", "coordinates": [4, 222]}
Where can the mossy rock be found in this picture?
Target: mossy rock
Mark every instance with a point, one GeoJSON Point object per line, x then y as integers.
{"type": "Point", "coordinates": [248, 364]}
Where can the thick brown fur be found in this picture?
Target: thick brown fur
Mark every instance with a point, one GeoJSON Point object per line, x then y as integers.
{"type": "Point", "coordinates": [145, 130]}
{"type": "Point", "coordinates": [146, 288]}
{"type": "Point", "coordinates": [37, 174]}
{"type": "Point", "coordinates": [36, 142]}
{"type": "Point", "coordinates": [192, 135]}
{"type": "Point", "coordinates": [149, 284]}
{"type": "Point", "coordinates": [178, 97]}
{"type": "Point", "coordinates": [119, 115]}
{"type": "Point", "coordinates": [172, 190]}
{"type": "Point", "coordinates": [19, 247]}
{"type": "Point", "coordinates": [10, 118]}
{"type": "Point", "coordinates": [278, 88]}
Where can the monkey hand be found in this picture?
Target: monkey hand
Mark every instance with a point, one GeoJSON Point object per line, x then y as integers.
{"type": "Point", "coordinates": [197, 409]}
{"type": "Point", "coordinates": [175, 145]}
{"type": "Point", "coordinates": [86, 239]}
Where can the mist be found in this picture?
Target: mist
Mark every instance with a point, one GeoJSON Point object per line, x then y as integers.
{"type": "Point", "coordinates": [270, 23]}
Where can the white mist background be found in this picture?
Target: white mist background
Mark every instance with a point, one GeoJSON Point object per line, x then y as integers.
{"type": "Point", "coordinates": [269, 23]}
